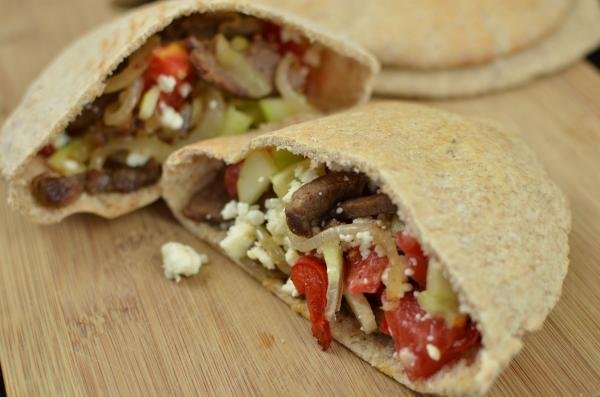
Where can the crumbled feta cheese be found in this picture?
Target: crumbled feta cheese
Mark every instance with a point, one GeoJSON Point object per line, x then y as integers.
{"type": "Point", "coordinates": [433, 352]}
{"type": "Point", "coordinates": [291, 256]}
{"type": "Point", "coordinates": [380, 251]}
{"type": "Point", "coordinates": [312, 57]}
{"type": "Point", "coordinates": [230, 210]}
{"type": "Point", "coordinates": [290, 288]}
{"type": "Point", "coordinates": [185, 89]}
{"type": "Point", "coordinates": [304, 174]}
{"type": "Point", "coordinates": [239, 239]}
{"type": "Point", "coordinates": [166, 83]}
{"type": "Point", "coordinates": [135, 159]}
{"type": "Point", "coordinates": [255, 217]}
{"type": "Point", "coordinates": [294, 185]}
{"type": "Point", "coordinates": [61, 140]}
{"type": "Point", "coordinates": [346, 238]}
{"type": "Point", "coordinates": [409, 272]}
{"type": "Point", "coordinates": [275, 216]}
{"type": "Point", "coordinates": [288, 34]}
{"type": "Point", "coordinates": [407, 358]}
{"type": "Point", "coordinates": [181, 260]}
{"type": "Point", "coordinates": [169, 118]}
{"type": "Point", "coordinates": [243, 209]}
{"type": "Point", "coordinates": [258, 253]}
{"type": "Point", "coordinates": [365, 241]}
{"type": "Point", "coordinates": [71, 165]}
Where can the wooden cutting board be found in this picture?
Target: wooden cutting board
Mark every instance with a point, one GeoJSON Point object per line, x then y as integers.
{"type": "Point", "coordinates": [85, 309]}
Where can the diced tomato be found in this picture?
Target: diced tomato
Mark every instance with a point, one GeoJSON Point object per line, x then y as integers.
{"type": "Point", "coordinates": [47, 150]}
{"type": "Point", "coordinates": [309, 276]}
{"type": "Point", "coordinates": [416, 259]}
{"type": "Point", "coordinates": [169, 60]}
{"type": "Point", "coordinates": [364, 275]}
{"type": "Point", "coordinates": [232, 174]}
{"type": "Point", "coordinates": [383, 326]}
{"type": "Point", "coordinates": [411, 328]}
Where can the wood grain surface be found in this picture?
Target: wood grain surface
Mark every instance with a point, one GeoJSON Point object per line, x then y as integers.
{"type": "Point", "coordinates": [85, 309]}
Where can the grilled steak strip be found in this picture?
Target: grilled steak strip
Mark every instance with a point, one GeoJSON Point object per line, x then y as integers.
{"type": "Point", "coordinates": [206, 204]}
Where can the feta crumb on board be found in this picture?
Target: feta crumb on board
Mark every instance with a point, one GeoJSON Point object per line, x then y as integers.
{"type": "Point", "coordinates": [181, 260]}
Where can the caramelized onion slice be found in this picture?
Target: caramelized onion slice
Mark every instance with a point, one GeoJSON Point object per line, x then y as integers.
{"type": "Point", "coordinates": [147, 146]}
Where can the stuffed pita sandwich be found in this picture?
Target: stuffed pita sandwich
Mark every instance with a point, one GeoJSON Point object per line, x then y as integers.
{"type": "Point", "coordinates": [426, 243]}
{"type": "Point", "coordinates": [440, 49]}
{"type": "Point", "coordinates": [93, 130]}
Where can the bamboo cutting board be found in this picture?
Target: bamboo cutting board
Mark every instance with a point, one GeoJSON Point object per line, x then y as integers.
{"type": "Point", "coordinates": [85, 309]}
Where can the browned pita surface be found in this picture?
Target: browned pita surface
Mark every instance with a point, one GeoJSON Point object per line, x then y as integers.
{"type": "Point", "coordinates": [77, 77]}
{"type": "Point", "coordinates": [475, 196]}
{"type": "Point", "coordinates": [429, 34]}
{"type": "Point", "coordinates": [578, 34]}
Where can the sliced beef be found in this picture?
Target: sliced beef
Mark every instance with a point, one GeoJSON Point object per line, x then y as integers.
{"type": "Point", "coordinates": [239, 24]}
{"type": "Point", "coordinates": [97, 182]}
{"type": "Point", "coordinates": [264, 56]}
{"type": "Point", "coordinates": [91, 113]}
{"type": "Point", "coordinates": [202, 57]}
{"type": "Point", "coordinates": [365, 206]}
{"type": "Point", "coordinates": [201, 26]}
{"type": "Point", "coordinates": [127, 179]}
{"type": "Point", "coordinates": [313, 201]}
{"type": "Point", "coordinates": [206, 204]}
{"type": "Point", "coordinates": [57, 191]}
{"type": "Point", "coordinates": [261, 54]}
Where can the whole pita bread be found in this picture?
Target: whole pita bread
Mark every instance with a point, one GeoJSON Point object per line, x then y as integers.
{"type": "Point", "coordinates": [474, 195]}
{"type": "Point", "coordinates": [436, 33]}
{"type": "Point", "coordinates": [78, 76]}
{"type": "Point", "coordinates": [578, 34]}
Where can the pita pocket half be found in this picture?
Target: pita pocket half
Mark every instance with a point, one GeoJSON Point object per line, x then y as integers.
{"type": "Point", "coordinates": [425, 242]}
{"type": "Point", "coordinates": [93, 130]}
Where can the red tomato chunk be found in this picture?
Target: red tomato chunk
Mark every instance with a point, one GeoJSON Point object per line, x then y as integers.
{"type": "Point", "coordinates": [364, 275]}
{"type": "Point", "coordinates": [416, 259]}
{"type": "Point", "coordinates": [429, 343]}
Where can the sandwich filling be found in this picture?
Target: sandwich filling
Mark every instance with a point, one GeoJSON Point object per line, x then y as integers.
{"type": "Point", "coordinates": [203, 76]}
{"type": "Point", "coordinates": [337, 238]}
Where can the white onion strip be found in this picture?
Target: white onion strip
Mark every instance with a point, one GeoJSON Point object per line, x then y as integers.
{"type": "Point", "coordinates": [395, 280]}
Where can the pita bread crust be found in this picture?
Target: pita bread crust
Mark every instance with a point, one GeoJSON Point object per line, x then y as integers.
{"type": "Point", "coordinates": [436, 33]}
{"type": "Point", "coordinates": [77, 77]}
{"type": "Point", "coordinates": [579, 34]}
{"type": "Point", "coordinates": [474, 195]}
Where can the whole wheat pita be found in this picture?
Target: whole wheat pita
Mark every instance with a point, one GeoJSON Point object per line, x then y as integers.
{"type": "Point", "coordinates": [79, 74]}
{"type": "Point", "coordinates": [474, 195]}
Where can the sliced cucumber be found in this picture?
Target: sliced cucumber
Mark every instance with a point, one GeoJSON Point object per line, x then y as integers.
{"type": "Point", "coordinates": [284, 158]}
{"type": "Point", "coordinates": [236, 122]}
{"type": "Point", "coordinates": [281, 180]}
{"type": "Point", "coordinates": [70, 159]}
{"type": "Point", "coordinates": [276, 109]}
{"type": "Point", "coordinates": [255, 176]}
{"type": "Point", "coordinates": [439, 299]}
